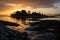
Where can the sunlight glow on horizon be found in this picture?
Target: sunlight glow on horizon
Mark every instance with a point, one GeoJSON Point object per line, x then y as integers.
{"type": "Point", "coordinates": [19, 7]}
{"type": "Point", "coordinates": [48, 7]}
{"type": "Point", "coordinates": [41, 10]}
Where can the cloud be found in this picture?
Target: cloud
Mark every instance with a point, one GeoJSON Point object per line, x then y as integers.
{"type": "Point", "coordinates": [4, 7]}
{"type": "Point", "coordinates": [33, 3]}
{"type": "Point", "coordinates": [42, 3]}
{"type": "Point", "coordinates": [13, 4]}
{"type": "Point", "coordinates": [8, 6]}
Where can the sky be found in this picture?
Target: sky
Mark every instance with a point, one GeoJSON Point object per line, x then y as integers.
{"type": "Point", "coordinates": [48, 7]}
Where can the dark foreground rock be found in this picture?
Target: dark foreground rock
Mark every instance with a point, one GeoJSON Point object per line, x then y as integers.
{"type": "Point", "coordinates": [41, 32]}
{"type": "Point", "coordinates": [6, 23]}
{"type": "Point", "coordinates": [35, 35]}
{"type": "Point", "coordinates": [8, 34]}
{"type": "Point", "coordinates": [46, 30]}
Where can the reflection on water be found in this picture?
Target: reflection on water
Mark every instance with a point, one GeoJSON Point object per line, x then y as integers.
{"type": "Point", "coordinates": [8, 19]}
{"type": "Point", "coordinates": [26, 23]}
{"type": "Point", "coordinates": [50, 19]}
{"type": "Point", "coordinates": [22, 23]}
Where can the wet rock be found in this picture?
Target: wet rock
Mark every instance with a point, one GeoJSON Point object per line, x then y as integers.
{"type": "Point", "coordinates": [8, 34]}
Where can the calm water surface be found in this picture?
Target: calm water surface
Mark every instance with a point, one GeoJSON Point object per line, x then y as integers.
{"type": "Point", "coordinates": [23, 23]}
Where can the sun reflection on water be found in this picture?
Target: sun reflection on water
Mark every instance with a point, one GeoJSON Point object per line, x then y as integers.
{"type": "Point", "coordinates": [20, 22]}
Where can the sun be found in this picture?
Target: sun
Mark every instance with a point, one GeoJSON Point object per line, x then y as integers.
{"type": "Point", "coordinates": [18, 10]}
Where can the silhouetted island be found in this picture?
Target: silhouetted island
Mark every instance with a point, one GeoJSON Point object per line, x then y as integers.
{"type": "Point", "coordinates": [23, 14]}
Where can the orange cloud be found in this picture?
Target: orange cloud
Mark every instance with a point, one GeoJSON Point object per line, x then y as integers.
{"type": "Point", "coordinates": [12, 5]}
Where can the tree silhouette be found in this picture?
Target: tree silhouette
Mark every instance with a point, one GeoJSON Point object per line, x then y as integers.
{"type": "Point", "coordinates": [23, 15]}
{"type": "Point", "coordinates": [19, 14]}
